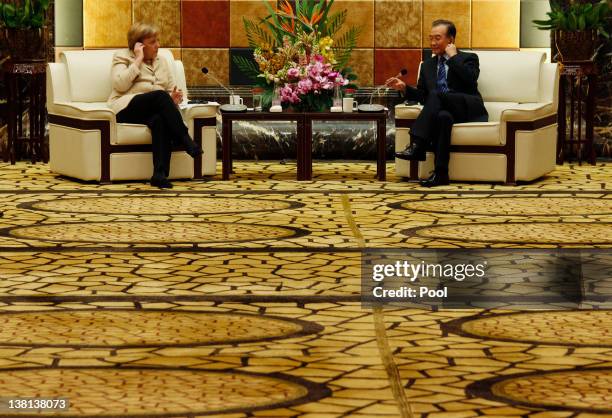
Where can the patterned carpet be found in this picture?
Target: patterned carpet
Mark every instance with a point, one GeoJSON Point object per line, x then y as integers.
{"type": "Point", "coordinates": [241, 298]}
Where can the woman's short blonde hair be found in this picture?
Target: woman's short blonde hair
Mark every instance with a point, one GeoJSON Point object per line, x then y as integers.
{"type": "Point", "coordinates": [140, 31]}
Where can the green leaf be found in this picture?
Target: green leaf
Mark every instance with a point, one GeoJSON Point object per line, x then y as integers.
{"type": "Point", "coordinates": [335, 22]}
{"type": "Point", "coordinates": [298, 7]}
{"type": "Point", "coordinates": [581, 22]}
{"type": "Point", "coordinates": [603, 10]}
{"type": "Point", "coordinates": [37, 21]}
{"type": "Point", "coordinates": [345, 45]}
{"type": "Point", "coordinates": [20, 18]}
{"type": "Point", "coordinates": [323, 20]}
{"type": "Point", "coordinates": [247, 67]}
{"type": "Point", "coordinates": [272, 15]}
{"type": "Point", "coordinates": [27, 10]}
{"type": "Point", "coordinates": [562, 23]}
{"type": "Point", "coordinates": [257, 35]}
{"type": "Point", "coordinates": [572, 22]}
{"type": "Point", "coordinates": [278, 34]}
{"type": "Point", "coordinates": [542, 22]}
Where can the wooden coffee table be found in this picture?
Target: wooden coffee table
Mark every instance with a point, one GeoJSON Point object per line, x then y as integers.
{"type": "Point", "coordinates": [304, 136]}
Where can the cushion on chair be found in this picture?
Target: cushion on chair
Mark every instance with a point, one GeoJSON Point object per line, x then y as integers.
{"type": "Point", "coordinates": [139, 165]}
{"type": "Point", "coordinates": [132, 134]}
{"type": "Point", "coordinates": [180, 80]}
{"type": "Point", "coordinates": [549, 82]}
{"type": "Point", "coordinates": [495, 109]}
{"type": "Point", "coordinates": [508, 76]}
{"type": "Point", "coordinates": [476, 133]}
{"type": "Point", "coordinates": [89, 74]}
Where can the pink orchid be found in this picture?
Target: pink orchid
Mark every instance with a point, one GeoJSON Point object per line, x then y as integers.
{"type": "Point", "coordinates": [293, 72]}
{"type": "Point", "coordinates": [304, 86]}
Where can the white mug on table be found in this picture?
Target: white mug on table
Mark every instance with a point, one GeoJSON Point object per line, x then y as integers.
{"type": "Point", "coordinates": [235, 99]}
{"type": "Point", "coordinates": [349, 104]}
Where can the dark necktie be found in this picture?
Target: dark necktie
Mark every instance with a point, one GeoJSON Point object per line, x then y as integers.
{"type": "Point", "coordinates": [441, 81]}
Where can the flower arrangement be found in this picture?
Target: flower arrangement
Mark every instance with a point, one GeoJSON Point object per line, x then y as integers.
{"type": "Point", "coordinates": [299, 54]}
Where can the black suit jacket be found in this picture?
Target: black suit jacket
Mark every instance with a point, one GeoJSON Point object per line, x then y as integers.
{"type": "Point", "coordinates": [462, 77]}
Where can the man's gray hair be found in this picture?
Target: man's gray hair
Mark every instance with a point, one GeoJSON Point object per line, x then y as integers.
{"type": "Point", "coordinates": [451, 30]}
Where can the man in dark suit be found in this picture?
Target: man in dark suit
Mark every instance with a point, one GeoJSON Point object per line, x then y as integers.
{"type": "Point", "coordinates": [448, 89]}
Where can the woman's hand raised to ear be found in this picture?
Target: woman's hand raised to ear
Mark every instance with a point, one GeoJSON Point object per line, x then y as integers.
{"type": "Point", "coordinates": [139, 52]}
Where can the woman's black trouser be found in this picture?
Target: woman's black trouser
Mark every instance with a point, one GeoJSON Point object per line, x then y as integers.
{"type": "Point", "coordinates": [157, 110]}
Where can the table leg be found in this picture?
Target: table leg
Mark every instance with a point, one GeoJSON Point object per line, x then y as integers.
{"type": "Point", "coordinates": [579, 135]}
{"type": "Point", "coordinates": [13, 122]}
{"type": "Point", "coordinates": [226, 140]}
{"type": "Point", "coordinates": [9, 103]}
{"type": "Point", "coordinates": [570, 153]}
{"type": "Point", "coordinates": [561, 122]}
{"type": "Point", "coordinates": [43, 118]}
{"type": "Point", "coordinates": [19, 107]}
{"type": "Point", "coordinates": [307, 149]}
{"type": "Point", "coordinates": [590, 107]}
{"type": "Point", "coordinates": [300, 126]}
{"type": "Point", "coordinates": [381, 140]}
{"type": "Point", "coordinates": [33, 115]}
{"type": "Point", "coordinates": [231, 148]}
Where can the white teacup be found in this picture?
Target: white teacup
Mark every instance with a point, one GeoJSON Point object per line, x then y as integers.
{"type": "Point", "coordinates": [235, 99]}
{"type": "Point", "coordinates": [349, 104]}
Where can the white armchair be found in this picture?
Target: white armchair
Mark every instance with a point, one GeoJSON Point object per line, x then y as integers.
{"type": "Point", "coordinates": [85, 140]}
{"type": "Point", "coordinates": [518, 143]}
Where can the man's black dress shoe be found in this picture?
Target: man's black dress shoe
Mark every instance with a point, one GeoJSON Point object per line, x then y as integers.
{"type": "Point", "coordinates": [436, 179]}
{"type": "Point", "coordinates": [412, 152]}
{"type": "Point", "coordinates": [162, 183]}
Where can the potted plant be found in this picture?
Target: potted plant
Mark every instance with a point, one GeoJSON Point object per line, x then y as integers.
{"type": "Point", "coordinates": [300, 50]}
{"type": "Point", "coordinates": [24, 26]}
{"type": "Point", "coordinates": [576, 28]}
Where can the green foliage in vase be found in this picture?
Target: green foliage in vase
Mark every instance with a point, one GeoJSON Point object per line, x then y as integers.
{"type": "Point", "coordinates": [577, 17]}
{"type": "Point", "coordinates": [24, 15]}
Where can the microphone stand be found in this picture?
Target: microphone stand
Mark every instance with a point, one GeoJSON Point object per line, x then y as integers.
{"type": "Point", "coordinates": [237, 107]}
{"type": "Point", "coordinates": [376, 107]}
{"type": "Point", "coordinates": [371, 107]}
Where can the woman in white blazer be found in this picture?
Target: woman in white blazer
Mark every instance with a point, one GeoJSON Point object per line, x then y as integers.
{"type": "Point", "coordinates": [145, 92]}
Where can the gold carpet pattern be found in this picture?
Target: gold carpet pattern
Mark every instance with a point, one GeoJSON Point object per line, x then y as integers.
{"type": "Point", "coordinates": [584, 390]}
{"type": "Point", "coordinates": [145, 328]}
{"type": "Point", "coordinates": [588, 328]}
{"type": "Point", "coordinates": [179, 205]}
{"type": "Point", "coordinates": [153, 232]}
{"type": "Point", "coordinates": [526, 206]}
{"type": "Point", "coordinates": [240, 299]}
{"type": "Point", "coordinates": [524, 233]}
{"type": "Point", "coordinates": [99, 391]}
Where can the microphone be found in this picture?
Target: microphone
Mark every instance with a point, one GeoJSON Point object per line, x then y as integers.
{"type": "Point", "coordinates": [207, 73]}
{"type": "Point", "coordinates": [376, 107]}
{"type": "Point", "coordinates": [226, 107]}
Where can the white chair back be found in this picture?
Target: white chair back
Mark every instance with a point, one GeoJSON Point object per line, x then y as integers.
{"type": "Point", "coordinates": [89, 72]}
{"type": "Point", "coordinates": [510, 76]}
